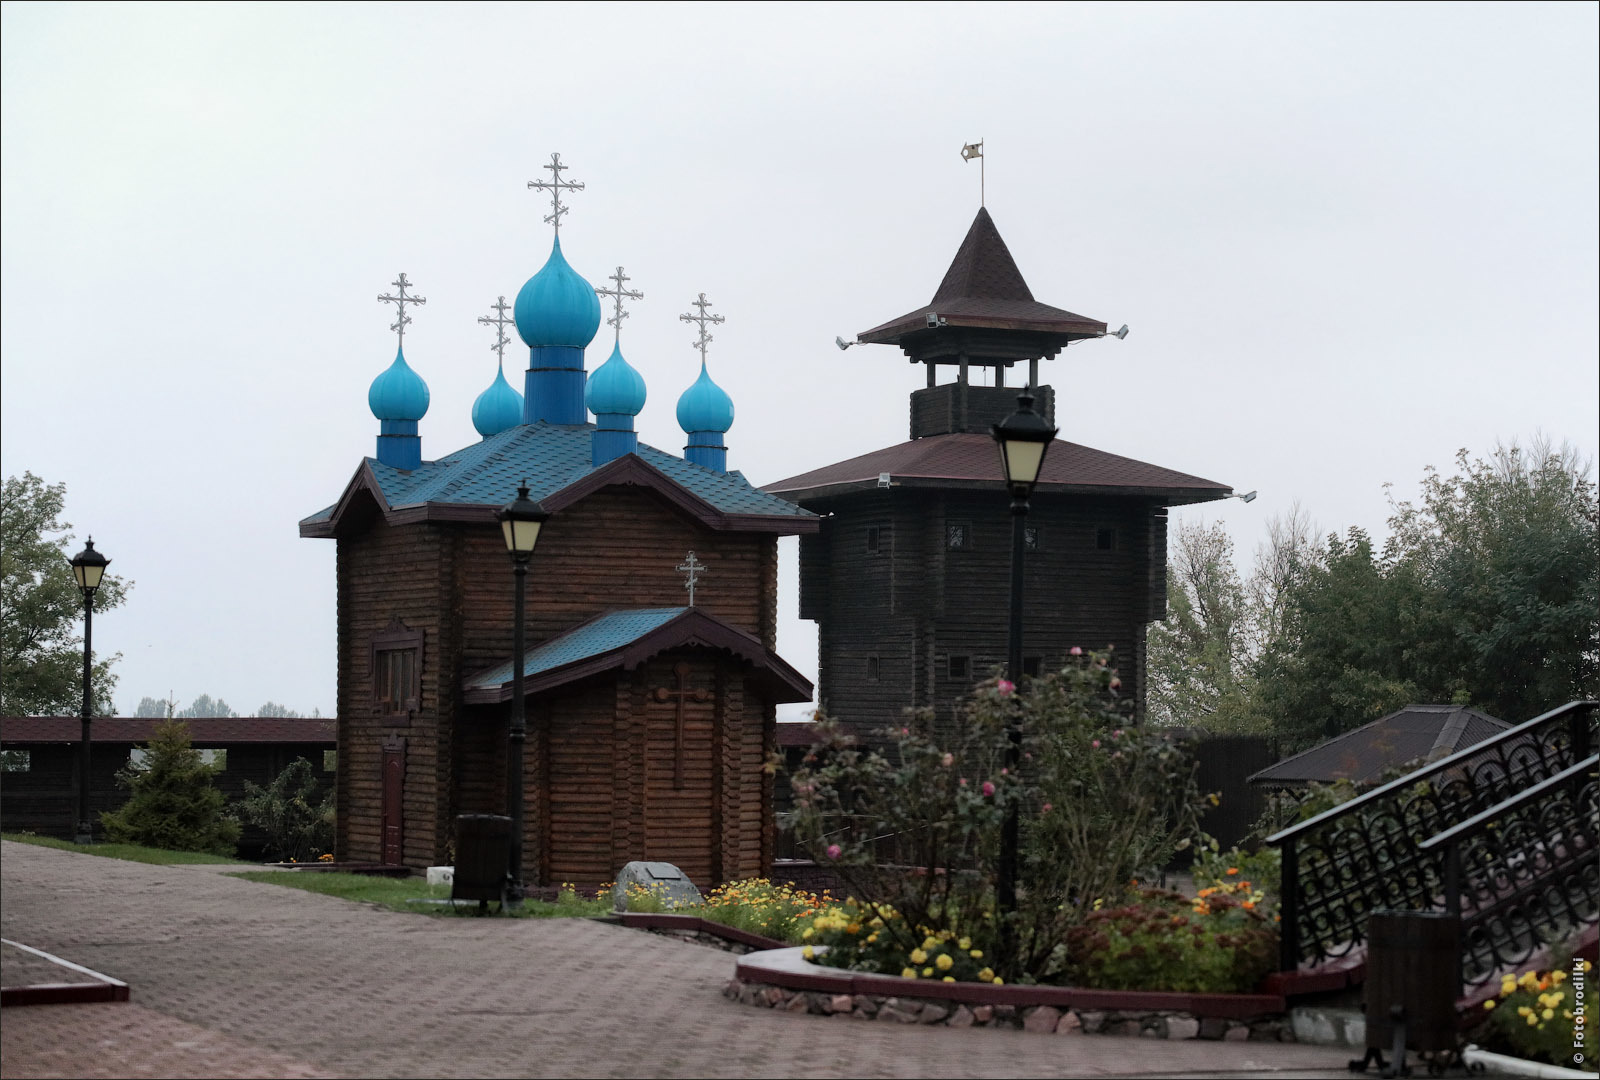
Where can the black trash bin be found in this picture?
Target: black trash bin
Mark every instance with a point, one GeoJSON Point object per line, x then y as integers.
{"type": "Point", "coordinates": [483, 858]}
{"type": "Point", "coordinates": [1413, 981]}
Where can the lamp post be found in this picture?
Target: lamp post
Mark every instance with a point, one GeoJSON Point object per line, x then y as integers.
{"type": "Point", "coordinates": [88, 567]}
{"type": "Point", "coordinates": [1024, 439]}
{"type": "Point", "coordinates": [520, 520]}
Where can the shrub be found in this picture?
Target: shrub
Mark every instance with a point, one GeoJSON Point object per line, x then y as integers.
{"type": "Point", "coordinates": [299, 825]}
{"type": "Point", "coordinates": [174, 804]}
{"type": "Point", "coordinates": [1216, 943]}
{"type": "Point", "coordinates": [1264, 867]}
{"type": "Point", "coordinates": [760, 907]}
{"type": "Point", "coordinates": [1532, 1017]}
{"type": "Point", "coordinates": [863, 937]}
{"type": "Point", "coordinates": [1098, 804]}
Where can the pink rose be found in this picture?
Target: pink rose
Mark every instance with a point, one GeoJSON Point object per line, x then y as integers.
{"type": "Point", "coordinates": [1045, 809]}
{"type": "Point", "coordinates": [988, 788]}
{"type": "Point", "coordinates": [1076, 651]}
{"type": "Point", "coordinates": [1095, 744]}
{"type": "Point", "coordinates": [1115, 682]}
{"type": "Point", "coordinates": [963, 781]}
{"type": "Point", "coordinates": [948, 760]}
{"type": "Point", "coordinates": [1117, 734]}
{"type": "Point", "coordinates": [1005, 686]}
{"type": "Point", "coordinates": [834, 851]}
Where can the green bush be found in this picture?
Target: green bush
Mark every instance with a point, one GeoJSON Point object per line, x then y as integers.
{"type": "Point", "coordinates": [1533, 1017]}
{"type": "Point", "coordinates": [174, 804]}
{"type": "Point", "coordinates": [298, 824]}
{"type": "Point", "coordinates": [760, 907]}
{"type": "Point", "coordinates": [863, 937]}
{"type": "Point", "coordinates": [1217, 943]}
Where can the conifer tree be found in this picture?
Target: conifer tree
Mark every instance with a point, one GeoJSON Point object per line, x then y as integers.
{"type": "Point", "coordinates": [174, 804]}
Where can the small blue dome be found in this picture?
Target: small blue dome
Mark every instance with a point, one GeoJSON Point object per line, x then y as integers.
{"type": "Point", "coordinates": [616, 388]}
{"type": "Point", "coordinates": [705, 406]}
{"type": "Point", "coordinates": [557, 307]}
{"type": "Point", "coordinates": [398, 393]}
{"type": "Point", "coordinates": [497, 408]}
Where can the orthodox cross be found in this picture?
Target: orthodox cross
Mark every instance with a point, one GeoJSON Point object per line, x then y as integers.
{"type": "Point", "coordinates": [618, 295]}
{"type": "Point", "coordinates": [682, 694]}
{"type": "Point", "coordinates": [499, 321]}
{"type": "Point", "coordinates": [975, 150]}
{"type": "Point", "coordinates": [692, 568]}
{"type": "Point", "coordinates": [703, 319]}
{"type": "Point", "coordinates": [555, 186]}
{"type": "Point", "coordinates": [400, 301]}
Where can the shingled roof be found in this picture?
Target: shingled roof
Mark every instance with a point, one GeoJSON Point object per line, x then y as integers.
{"type": "Point", "coordinates": [1413, 734]}
{"type": "Point", "coordinates": [625, 639]}
{"type": "Point", "coordinates": [968, 459]}
{"type": "Point", "coordinates": [476, 481]}
{"type": "Point", "coordinates": [984, 289]}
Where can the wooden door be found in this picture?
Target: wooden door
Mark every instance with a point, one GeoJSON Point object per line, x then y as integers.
{"type": "Point", "coordinates": [680, 716]}
{"type": "Point", "coordinates": [394, 782]}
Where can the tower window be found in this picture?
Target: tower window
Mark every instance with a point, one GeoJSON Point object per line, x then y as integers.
{"type": "Point", "coordinates": [874, 539]}
{"type": "Point", "coordinates": [958, 536]}
{"type": "Point", "coordinates": [396, 672]}
{"type": "Point", "coordinates": [1105, 539]}
{"type": "Point", "coordinates": [1032, 538]}
{"type": "Point", "coordinates": [872, 667]}
{"type": "Point", "coordinates": [959, 666]}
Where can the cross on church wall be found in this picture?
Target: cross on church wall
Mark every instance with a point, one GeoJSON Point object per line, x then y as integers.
{"type": "Point", "coordinates": [400, 301]}
{"type": "Point", "coordinates": [682, 694]}
{"type": "Point", "coordinates": [691, 568]}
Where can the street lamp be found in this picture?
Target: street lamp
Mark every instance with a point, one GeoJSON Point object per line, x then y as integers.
{"type": "Point", "coordinates": [521, 521]}
{"type": "Point", "coordinates": [1024, 439]}
{"type": "Point", "coordinates": [88, 567]}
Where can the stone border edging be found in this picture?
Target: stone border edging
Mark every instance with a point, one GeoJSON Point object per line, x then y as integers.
{"type": "Point", "coordinates": [788, 969]}
{"type": "Point", "coordinates": [641, 920]}
{"type": "Point", "coordinates": [104, 989]}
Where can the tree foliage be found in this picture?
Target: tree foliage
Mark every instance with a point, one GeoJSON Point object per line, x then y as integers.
{"type": "Point", "coordinates": [174, 804]}
{"type": "Point", "coordinates": [206, 705]}
{"type": "Point", "coordinates": [41, 607]}
{"type": "Point", "coordinates": [296, 816]}
{"type": "Point", "coordinates": [272, 708]}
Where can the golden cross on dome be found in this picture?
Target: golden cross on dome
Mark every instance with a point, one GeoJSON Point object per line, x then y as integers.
{"type": "Point", "coordinates": [555, 186]}
{"type": "Point", "coordinates": [704, 320]}
{"type": "Point", "coordinates": [400, 301]}
{"type": "Point", "coordinates": [618, 295]}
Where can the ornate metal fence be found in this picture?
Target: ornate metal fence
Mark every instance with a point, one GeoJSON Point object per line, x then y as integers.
{"type": "Point", "coordinates": [1523, 873]}
{"type": "Point", "coordinates": [1368, 853]}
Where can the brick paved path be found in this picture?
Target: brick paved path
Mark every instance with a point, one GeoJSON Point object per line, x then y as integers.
{"type": "Point", "coordinates": [242, 978]}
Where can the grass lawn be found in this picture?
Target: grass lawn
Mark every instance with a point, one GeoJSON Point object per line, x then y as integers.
{"type": "Point", "coordinates": [393, 893]}
{"type": "Point", "coordinates": [131, 852]}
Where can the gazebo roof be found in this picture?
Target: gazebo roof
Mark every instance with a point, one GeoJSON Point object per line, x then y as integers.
{"type": "Point", "coordinates": [1414, 733]}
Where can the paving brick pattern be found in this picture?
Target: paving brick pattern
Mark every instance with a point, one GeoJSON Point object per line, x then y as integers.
{"type": "Point", "coordinates": [237, 978]}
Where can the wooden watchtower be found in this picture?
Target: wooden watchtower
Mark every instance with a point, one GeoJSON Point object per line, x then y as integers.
{"type": "Point", "coordinates": [908, 579]}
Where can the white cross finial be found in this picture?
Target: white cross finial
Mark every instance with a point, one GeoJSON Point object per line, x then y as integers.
{"type": "Point", "coordinates": [970, 151]}
{"type": "Point", "coordinates": [555, 186]}
{"type": "Point", "coordinates": [400, 301]}
{"type": "Point", "coordinates": [692, 568]}
{"type": "Point", "coordinates": [499, 321]}
{"type": "Point", "coordinates": [618, 295]}
{"type": "Point", "coordinates": [704, 320]}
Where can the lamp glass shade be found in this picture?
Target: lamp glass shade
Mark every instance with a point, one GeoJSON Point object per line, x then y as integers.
{"type": "Point", "coordinates": [521, 536]}
{"type": "Point", "coordinates": [88, 567]}
{"type": "Point", "coordinates": [1023, 459]}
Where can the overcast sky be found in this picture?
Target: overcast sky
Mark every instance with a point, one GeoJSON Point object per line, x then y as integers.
{"type": "Point", "coordinates": [1349, 240]}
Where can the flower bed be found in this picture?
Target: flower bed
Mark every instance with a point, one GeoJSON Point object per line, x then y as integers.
{"type": "Point", "coordinates": [784, 979]}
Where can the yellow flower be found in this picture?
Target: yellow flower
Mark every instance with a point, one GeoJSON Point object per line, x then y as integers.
{"type": "Point", "coordinates": [930, 942]}
{"type": "Point", "coordinates": [872, 937]}
{"type": "Point", "coordinates": [1587, 965]}
{"type": "Point", "coordinates": [928, 971]}
{"type": "Point", "coordinates": [908, 973]}
{"type": "Point", "coordinates": [1523, 1010]}
{"type": "Point", "coordinates": [1489, 1004]}
{"type": "Point", "coordinates": [943, 963]}
{"type": "Point", "coordinates": [986, 975]}
{"type": "Point", "coordinates": [965, 943]}
{"type": "Point", "coordinates": [949, 978]}
{"type": "Point", "coordinates": [808, 934]}
{"type": "Point", "coordinates": [1557, 976]}
{"type": "Point", "coordinates": [976, 954]}
{"type": "Point", "coordinates": [1532, 1020]}
{"type": "Point", "coordinates": [1528, 981]}
{"type": "Point", "coordinates": [809, 953]}
{"type": "Point", "coordinates": [998, 981]}
{"type": "Point", "coordinates": [1548, 1014]}
{"type": "Point", "coordinates": [918, 956]}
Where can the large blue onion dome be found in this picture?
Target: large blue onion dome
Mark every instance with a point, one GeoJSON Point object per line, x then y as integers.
{"type": "Point", "coordinates": [616, 388]}
{"type": "Point", "coordinates": [705, 406]}
{"type": "Point", "coordinates": [557, 307]}
{"type": "Point", "coordinates": [398, 393]}
{"type": "Point", "coordinates": [497, 408]}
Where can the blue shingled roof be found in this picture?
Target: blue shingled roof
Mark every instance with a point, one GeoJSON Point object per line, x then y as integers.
{"type": "Point", "coordinates": [552, 457]}
{"type": "Point", "coordinates": [602, 635]}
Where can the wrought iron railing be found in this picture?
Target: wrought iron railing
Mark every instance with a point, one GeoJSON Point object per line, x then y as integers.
{"type": "Point", "coordinates": [1525, 873]}
{"type": "Point", "coordinates": [1366, 854]}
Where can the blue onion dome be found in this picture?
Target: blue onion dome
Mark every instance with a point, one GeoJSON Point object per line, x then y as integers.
{"type": "Point", "coordinates": [557, 307]}
{"type": "Point", "coordinates": [705, 406]}
{"type": "Point", "coordinates": [616, 388]}
{"type": "Point", "coordinates": [497, 408]}
{"type": "Point", "coordinates": [398, 393]}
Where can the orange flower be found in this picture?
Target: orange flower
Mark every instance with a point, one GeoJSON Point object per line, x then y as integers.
{"type": "Point", "coordinates": [1232, 870]}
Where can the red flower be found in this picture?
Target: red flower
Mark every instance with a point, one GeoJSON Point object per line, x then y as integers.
{"type": "Point", "coordinates": [988, 788]}
{"type": "Point", "coordinates": [1005, 686]}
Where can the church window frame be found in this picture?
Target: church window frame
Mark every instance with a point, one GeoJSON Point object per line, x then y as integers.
{"type": "Point", "coordinates": [958, 667]}
{"type": "Point", "coordinates": [1032, 538]}
{"type": "Point", "coordinates": [874, 539]}
{"type": "Point", "coordinates": [958, 535]}
{"type": "Point", "coordinates": [1105, 539]}
{"type": "Point", "coordinates": [874, 668]}
{"type": "Point", "coordinates": [395, 665]}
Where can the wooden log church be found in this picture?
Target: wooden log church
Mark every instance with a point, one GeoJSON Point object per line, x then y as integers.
{"type": "Point", "coordinates": [651, 678]}
{"type": "Point", "coordinates": [908, 578]}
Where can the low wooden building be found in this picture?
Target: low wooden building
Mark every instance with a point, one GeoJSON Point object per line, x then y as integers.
{"type": "Point", "coordinates": [909, 577]}
{"type": "Point", "coordinates": [40, 754]}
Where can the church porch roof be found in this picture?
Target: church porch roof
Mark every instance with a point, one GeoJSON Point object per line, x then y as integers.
{"type": "Point", "coordinates": [625, 639]}
{"type": "Point", "coordinates": [970, 460]}
{"type": "Point", "coordinates": [1413, 733]}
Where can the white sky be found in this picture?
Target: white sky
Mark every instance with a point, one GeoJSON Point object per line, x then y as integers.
{"type": "Point", "coordinates": [1349, 240]}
